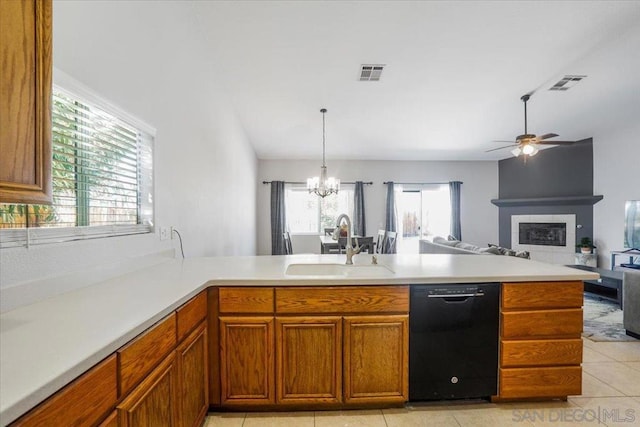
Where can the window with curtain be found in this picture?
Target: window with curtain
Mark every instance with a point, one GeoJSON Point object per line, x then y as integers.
{"type": "Point", "coordinates": [422, 210]}
{"type": "Point", "coordinates": [101, 176]}
{"type": "Point", "coordinates": [308, 213]}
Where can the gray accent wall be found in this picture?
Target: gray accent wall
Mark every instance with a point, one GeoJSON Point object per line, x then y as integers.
{"type": "Point", "coordinates": [562, 171]}
{"type": "Point", "coordinates": [553, 172]}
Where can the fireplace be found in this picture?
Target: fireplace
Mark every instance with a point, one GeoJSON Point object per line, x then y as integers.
{"type": "Point", "coordinates": [548, 238]}
{"type": "Point", "coordinates": [543, 233]}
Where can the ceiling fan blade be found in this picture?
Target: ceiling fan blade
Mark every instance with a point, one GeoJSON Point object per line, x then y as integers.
{"type": "Point", "coordinates": [547, 136]}
{"type": "Point", "coordinates": [556, 142]}
{"type": "Point", "coordinates": [503, 140]}
{"type": "Point", "coordinates": [501, 148]}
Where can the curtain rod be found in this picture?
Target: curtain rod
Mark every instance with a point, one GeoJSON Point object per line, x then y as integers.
{"type": "Point", "coordinates": [300, 182]}
{"type": "Point", "coordinates": [420, 183]}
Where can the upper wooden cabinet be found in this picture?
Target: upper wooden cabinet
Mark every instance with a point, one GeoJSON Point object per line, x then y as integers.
{"type": "Point", "coordinates": [25, 101]}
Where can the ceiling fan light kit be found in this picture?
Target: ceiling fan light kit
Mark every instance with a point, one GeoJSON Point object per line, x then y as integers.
{"type": "Point", "coordinates": [527, 143]}
{"type": "Point", "coordinates": [323, 185]}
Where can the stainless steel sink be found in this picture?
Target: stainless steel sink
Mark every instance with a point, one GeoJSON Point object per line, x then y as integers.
{"type": "Point", "coordinates": [363, 270]}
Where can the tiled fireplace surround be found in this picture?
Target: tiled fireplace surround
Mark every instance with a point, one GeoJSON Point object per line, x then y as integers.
{"type": "Point", "coordinates": [546, 253]}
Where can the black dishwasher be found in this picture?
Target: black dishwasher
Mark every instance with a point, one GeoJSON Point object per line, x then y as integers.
{"type": "Point", "coordinates": [453, 341]}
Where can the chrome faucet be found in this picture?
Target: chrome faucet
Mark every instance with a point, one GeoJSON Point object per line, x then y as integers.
{"type": "Point", "coordinates": [351, 251]}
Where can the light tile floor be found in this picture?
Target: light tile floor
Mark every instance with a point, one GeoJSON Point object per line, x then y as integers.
{"type": "Point", "coordinates": [610, 397]}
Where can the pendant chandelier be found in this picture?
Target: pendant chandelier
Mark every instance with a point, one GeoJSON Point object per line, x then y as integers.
{"type": "Point", "coordinates": [322, 185]}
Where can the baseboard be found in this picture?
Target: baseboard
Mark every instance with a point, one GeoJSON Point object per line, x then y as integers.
{"type": "Point", "coordinates": [632, 334]}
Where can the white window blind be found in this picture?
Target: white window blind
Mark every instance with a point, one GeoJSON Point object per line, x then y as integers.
{"type": "Point", "coordinates": [102, 176]}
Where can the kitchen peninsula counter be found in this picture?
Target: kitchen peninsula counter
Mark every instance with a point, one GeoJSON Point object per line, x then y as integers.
{"type": "Point", "coordinates": [47, 344]}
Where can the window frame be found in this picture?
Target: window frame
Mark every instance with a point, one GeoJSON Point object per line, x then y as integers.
{"type": "Point", "coordinates": [28, 236]}
{"type": "Point", "coordinates": [302, 188]}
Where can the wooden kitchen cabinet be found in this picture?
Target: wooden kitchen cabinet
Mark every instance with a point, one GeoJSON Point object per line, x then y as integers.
{"type": "Point", "coordinates": [25, 101]}
{"type": "Point", "coordinates": [334, 346]}
{"type": "Point", "coordinates": [540, 343]}
{"type": "Point", "coordinates": [376, 359]}
{"type": "Point", "coordinates": [110, 421]}
{"type": "Point", "coordinates": [247, 367]}
{"type": "Point", "coordinates": [160, 378]}
{"type": "Point", "coordinates": [154, 402]}
{"type": "Point", "coordinates": [309, 359]}
{"type": "Point", "coordinates": [81, 403]}
{"type": "Point", "coordinates": [139, 356]}
{"type": "Point", "coordinates": [193, 387]}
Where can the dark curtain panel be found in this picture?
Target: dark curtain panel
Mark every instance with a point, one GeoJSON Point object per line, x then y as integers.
{"type": "Point", "coordinates": [278, 220]}
{"type": "Point", "coordinates": [391, 208]}
{"type": "Point", "coordinates": [454, 191]}
{"type": "Point", "coordinates": [359, 228]}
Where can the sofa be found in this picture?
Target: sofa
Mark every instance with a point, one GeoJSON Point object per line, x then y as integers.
{"type": "Point", "coordinates": [441, 245]}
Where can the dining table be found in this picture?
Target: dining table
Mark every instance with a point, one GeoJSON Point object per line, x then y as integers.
{"type": "Point", "coordinates": [329, 245]}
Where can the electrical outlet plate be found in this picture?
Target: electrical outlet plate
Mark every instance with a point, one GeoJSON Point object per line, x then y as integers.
{"type": "Point", "coordinates": [164, 233]}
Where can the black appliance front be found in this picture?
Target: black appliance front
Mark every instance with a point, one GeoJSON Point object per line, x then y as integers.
{"type": "Point", "coordinates": [453, 341]}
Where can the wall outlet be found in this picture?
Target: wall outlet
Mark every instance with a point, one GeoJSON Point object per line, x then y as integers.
{"type": "Point", "coordinates": [165, 233]}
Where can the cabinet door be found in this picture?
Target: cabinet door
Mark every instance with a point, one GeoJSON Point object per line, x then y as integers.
{"type": "Point", "coordinates": [191, 359]}
{"type": "Point", "coordinates": [25, 101]}
{"type": "Point", "coordinates": [309, 359]}
{"type": "Point", "coordinates": [246, 360]}
{"type": "Point", "coordinates": [376, 358]}
{"type": "Point", "coordinates": [154, 401]}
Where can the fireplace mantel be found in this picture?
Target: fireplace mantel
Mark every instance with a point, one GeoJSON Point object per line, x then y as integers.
{"type": "Point", "coordinates": [548, 201]}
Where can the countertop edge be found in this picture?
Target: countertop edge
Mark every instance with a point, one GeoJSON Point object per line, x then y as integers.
{"type": "Point", "coordinates": [25, 403]}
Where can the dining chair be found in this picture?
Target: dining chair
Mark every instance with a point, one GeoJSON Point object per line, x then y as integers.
{"type": "Point", "coordinates": [390, 242]}
{"type": "Point", "coordinates": [379, 249]}
{"type": "Point", "coordinates": [288, 250]}
{"type": "Point", "coordinates": [366, 244]}
{"type": "Point", "coordinates": [329, 231]}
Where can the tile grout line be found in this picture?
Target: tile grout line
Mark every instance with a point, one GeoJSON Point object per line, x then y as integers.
{"type": "Point", "coordinates": [603, 382]}
{"type": "Point", "coordinates": [609, 384]}
{"type": "Point", "coordinates": [384, 418]}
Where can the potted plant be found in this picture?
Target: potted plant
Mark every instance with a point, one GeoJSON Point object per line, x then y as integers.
{"type": "Point", "coordinates": [586, 245]}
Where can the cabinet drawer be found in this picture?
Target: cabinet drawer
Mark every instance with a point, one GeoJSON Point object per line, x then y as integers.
{"type": "Point", "coordinates": [540, 382]}
{"type": "Point", "coordinates": [530, 295]}
{"type": "Point", "coordinates": [343, 299]}
{"type": "Point", "coordinates": [138, 357]}
{"type": "Point", "coordinates": [191, 313]}
{"type": "Point", "coordinates": [541, 323]}
{"type": "Point", "coordinates": [81, 403]}
{"type": "Point", "coordinates": [540, 352]}
{"type": "Point", "coordinates": [246, 300]}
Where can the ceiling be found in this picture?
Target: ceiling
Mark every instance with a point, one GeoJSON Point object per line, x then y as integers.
{"type": "Point", "coordinates": [454, 75]}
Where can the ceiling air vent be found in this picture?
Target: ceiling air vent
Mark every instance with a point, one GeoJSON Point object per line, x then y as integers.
{"type": "Point", "coordinates": [371, 72]}
{"type": "Point", "coordinates": [567, 82]}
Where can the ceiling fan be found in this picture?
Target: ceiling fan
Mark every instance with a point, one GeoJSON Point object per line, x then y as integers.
{"type": "Point", "coordinates": [526, 143]}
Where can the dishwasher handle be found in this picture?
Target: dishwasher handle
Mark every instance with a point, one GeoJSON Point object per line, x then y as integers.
{"type": "Point", "coordinates": [454, 295]}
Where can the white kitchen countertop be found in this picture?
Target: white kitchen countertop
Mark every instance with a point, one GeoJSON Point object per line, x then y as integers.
{"type": "Point", "coordinates": [45, 345]}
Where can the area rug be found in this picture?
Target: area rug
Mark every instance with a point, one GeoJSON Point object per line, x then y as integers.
{"type": "Point", "coordinates": [603, 320]}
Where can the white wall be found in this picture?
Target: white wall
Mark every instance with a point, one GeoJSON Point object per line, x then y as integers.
{"type": "Point", "coordinates": [616, 169]}
{"type": "Point", "coordinates": [146, 58]}
{"type": "Point", "coordinates": [479, 216]}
